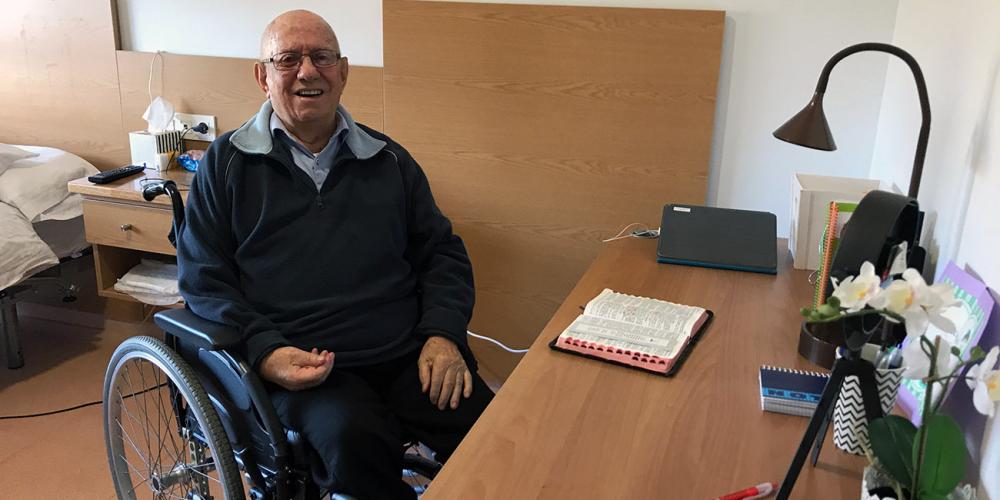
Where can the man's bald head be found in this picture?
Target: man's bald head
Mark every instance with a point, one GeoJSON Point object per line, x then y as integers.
{"type": "Point", "coordinates": [301, 21]}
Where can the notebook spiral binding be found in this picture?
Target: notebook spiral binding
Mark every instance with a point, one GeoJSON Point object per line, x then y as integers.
{"type": "Point", "coordinates": [796, 372]}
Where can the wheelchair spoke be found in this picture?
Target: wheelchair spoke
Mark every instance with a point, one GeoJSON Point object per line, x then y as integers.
{"type": "Point", "coordinates": [194, 468]}
{"type": "Point", "coordinates": [159, 432]}
{"type": "Point", "coordinates": [162, 417]}
{"type": "Point", "coordinates": [183, 436]}
{"type": "Point", "coordinates": [136, 485]}
{"type": "Point", "coordinates": [157, 458]}
{"type": "Point", "coordinates": [136, 448]}
{"type": "Point", "coordinates": [164, 432]}
{"type": "Point", "coordinates": [137, 471]}
{"type": "Point", "coordinates": [132, 419]}
{"type": "Point", "coordinates": [128, 379]}
{"type": "Point", "coordinates": [152, 462]}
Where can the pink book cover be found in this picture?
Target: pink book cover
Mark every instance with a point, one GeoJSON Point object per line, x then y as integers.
{"type": "Point", "coordinates": [633, 359]}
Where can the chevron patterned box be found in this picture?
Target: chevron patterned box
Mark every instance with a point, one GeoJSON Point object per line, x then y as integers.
{"type": "Point", "coordinates": [850, 426]}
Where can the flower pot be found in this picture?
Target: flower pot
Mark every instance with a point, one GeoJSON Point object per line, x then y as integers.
{"type": "Point", "coordinates": [850, 425]}
{"type": "Point", "coordinates": [818, 342]}
{"type": "Point", "coordinates": [875, 485]}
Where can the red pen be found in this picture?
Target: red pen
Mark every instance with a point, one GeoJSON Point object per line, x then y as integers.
{"type": "Point", "coordinates": [760, 491]}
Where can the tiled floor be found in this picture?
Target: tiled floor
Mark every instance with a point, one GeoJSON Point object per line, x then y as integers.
{"type": "Point", "coordinates": [63, 455]}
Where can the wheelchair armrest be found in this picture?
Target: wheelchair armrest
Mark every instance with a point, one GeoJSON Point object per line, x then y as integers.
{"type": "Point", "coordinates": [187, 325]}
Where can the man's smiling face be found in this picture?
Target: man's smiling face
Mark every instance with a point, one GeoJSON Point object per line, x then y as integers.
{"type": "Point", "coordinates": [306, 97]}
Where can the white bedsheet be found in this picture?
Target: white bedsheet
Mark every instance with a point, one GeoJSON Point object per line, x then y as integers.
{"type": "Point", "coordinates": [37, 186]}
{"type": "Point", "coordinates": [22, 252]}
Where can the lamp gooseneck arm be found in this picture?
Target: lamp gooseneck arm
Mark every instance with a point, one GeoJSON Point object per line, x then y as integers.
{"type": "Point", "coordinates": [925, 105]}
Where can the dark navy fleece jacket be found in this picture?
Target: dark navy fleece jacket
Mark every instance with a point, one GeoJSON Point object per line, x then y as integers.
{"type": "Point", "coordinates": [367, 267]}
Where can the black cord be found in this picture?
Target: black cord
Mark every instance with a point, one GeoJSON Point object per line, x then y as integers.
{"type": "Point", "coordinates": [53, 412]}
{"type": "Point", "coordinates": [180, 145]}
{"type": "Point", "coordinates": [77, 407]}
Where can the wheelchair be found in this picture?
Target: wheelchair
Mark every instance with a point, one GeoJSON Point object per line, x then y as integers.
{"type": "Point", "coordinates": [186, 417]}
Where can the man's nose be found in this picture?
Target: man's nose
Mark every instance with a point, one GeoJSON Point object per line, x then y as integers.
{"type": "Point", "coordinates": [307, 71]}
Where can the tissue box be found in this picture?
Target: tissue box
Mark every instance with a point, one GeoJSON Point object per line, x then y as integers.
{"type": "Point", "coordinates": [154, 150]}
{"type": "Point", "coordinates": [811, 197]}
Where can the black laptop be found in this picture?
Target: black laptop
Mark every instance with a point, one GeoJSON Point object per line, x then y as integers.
{"type": "Point", "coordinates": [724, 238]}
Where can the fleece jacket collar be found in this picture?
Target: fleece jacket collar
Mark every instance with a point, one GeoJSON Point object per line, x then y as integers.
{"type": "Point", "coordinates": [254, 137]}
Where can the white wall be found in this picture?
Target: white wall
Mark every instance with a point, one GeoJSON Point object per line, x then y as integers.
{"type": "Point", "coordinates": [232, 28]}
{"type": "Point", "coordinates": [773, 52]}
{"type": "Point", "coordinates": [958, 47]}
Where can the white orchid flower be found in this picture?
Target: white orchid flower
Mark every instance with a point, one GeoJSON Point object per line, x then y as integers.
{"type": "Point", "coordinates": [918, 303]}
{"type": "Point", "coordinates": [993, 385]}
{"type": "Point", "coordinates": [985, 383]}
{"type": "Point", "coordinates": [855, 292]}
{"type": "Point", "coordinates": [918, 363]}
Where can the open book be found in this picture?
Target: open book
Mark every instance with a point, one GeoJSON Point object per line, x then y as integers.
{"type": "Point", "coordinates": [649, 334]}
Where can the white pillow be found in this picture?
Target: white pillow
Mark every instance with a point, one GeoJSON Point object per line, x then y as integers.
{"type": "Point", "coordinates": [38, 184]}
{"type": "Point", "coordinates": [22, 252]}
{"type": "Point", "coordinates": [9, 154]}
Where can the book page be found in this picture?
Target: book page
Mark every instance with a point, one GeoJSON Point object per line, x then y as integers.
{"type": "Point", "coordinates": [651, 313]}
{"type": "Point", "coordinates": [625, 336]}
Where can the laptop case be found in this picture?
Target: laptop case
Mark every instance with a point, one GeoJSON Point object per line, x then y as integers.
{"type": "Point", "coordinates": [725, 238]}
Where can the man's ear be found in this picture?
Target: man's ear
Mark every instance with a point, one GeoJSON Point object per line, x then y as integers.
{"type": "Point", "coordinates": [260, 74]}
{"type": "Point", "coordinates": [344, 69]}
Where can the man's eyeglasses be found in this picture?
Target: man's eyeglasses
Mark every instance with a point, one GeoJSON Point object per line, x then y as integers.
{"type": "Point", "coordinates": [287, 61]}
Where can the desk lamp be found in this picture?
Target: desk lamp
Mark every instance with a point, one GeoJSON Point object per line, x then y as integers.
{"type": "Point", "coordinates": [881, 221]}
{"type": "Point", "coordinates": [809, 128]}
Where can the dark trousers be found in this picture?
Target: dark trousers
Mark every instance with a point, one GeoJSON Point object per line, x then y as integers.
{"type": "Point", "coordinates": [360, 418]}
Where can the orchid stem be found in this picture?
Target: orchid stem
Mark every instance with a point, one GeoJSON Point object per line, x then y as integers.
{"type": "Point", "coordinates": [922, 434]}
{"type": "Point", "coordinates": [863, 312]}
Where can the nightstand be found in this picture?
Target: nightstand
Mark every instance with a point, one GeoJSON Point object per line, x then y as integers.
{"type": "Point", "coordinates": [123, 227]}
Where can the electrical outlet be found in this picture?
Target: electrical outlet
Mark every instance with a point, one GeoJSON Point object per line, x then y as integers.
{"type": "Point", "coordinates": [186, 120]}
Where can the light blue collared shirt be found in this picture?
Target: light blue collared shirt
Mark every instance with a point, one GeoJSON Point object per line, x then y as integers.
{"type": "Point", "coordinates": [316, 166]}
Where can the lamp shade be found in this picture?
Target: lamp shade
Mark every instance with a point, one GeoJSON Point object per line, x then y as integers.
{"type": "Point", "coordinates": [808, 127]}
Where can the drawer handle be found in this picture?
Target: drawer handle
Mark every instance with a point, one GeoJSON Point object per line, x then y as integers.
{"type": "Point", "coordinates": [126, 227]}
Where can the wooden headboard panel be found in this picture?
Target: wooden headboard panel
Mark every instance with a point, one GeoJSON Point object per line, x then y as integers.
{"type": "Point", "coordinates": [59, 86]}
{"type": "Point", "coordinates": [223, 87]}
{"type": "Point", "coordinates": [544, 129]}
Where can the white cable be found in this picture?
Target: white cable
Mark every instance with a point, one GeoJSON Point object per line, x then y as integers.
{"type": "Point", "coordinates": [642, 231]}
{"type": "Point", "coordinates": [149, 83]}
{"type": "Point", "coordinates": [620, 233]}
{"type": "Point", "coordinates": [497, 342]}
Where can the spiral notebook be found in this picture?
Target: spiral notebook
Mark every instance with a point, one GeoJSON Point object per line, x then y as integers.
{"type": "Point", "coordinates": [794, 392]}
{"type": "Point", "coordinates": [637, 332]}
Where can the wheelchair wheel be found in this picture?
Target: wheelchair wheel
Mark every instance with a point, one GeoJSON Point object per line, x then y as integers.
{"type": "Point", "coordinates": [163, 436]}
{"type": "Point", "coordinates": [418, 469]}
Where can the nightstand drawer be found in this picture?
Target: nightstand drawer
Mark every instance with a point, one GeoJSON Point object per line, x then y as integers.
{"type": "Point", "coordinates": [128, 226]}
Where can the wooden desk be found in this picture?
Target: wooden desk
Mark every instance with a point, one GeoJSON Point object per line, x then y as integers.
{"type": "Point", "coordinates": [565, 427]}
{"type": "Point", "coordinates": [123, 227]}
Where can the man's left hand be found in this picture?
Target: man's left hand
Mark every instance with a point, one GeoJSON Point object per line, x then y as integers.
{"type": "Point", "coordinates": [443, 373]}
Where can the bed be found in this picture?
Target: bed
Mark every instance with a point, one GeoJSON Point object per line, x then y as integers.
{"type": "Point", "coordinates": [41, 224]}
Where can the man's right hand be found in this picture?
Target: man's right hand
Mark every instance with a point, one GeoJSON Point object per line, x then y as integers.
{"type": "Point", "coordinates": [295, 369]}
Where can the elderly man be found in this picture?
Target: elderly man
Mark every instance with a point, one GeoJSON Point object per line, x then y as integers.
{"type": "Point", "coordinates": [319, 239]}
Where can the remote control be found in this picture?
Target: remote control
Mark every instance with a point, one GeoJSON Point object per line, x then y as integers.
{"type": "Point", "coordinates": [115, 174]}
